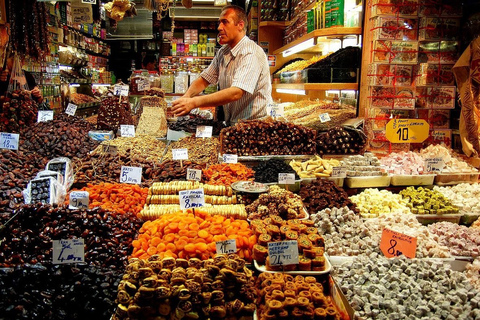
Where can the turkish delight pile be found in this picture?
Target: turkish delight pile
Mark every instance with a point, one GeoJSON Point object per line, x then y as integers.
{"type": "Point", "coordinates": [452, 164]}
{"type": "Point", "coordinates": [403, 163]}
{"type": "Point", "coordinates": [464, 196]}
{"type": "Point", "coordinates": [461, 240]}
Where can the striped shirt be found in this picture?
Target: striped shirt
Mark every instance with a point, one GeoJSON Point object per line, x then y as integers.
{"type": "Point", "coordinates": [245, 67]}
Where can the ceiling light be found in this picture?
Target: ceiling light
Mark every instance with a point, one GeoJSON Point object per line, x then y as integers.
{"type": "Point", "coordinates": [300, 47]}
{"type": "Point", "coordinates": [292, 91]}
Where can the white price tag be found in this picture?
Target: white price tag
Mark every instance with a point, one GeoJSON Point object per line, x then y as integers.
{"type": "Point", "coordinates": [131, 175]}
{"type": "Point", "coordinates": [143, 85]}
{"type": "Point", "coordinates": [120, 90]}
{"type": "Point", "coordinates": [226, 247]}
{"type": "Point", "coordinates": [89, 1]}
{"type": "Point", "coordinates": [45, 115]}
{"type": "Point", "coordinates": [194, 174]}
{"type": "Point", "coordinates": [283, 253]}
{"type": "Point", "coordinates": [180, 154]}
{"type": "Point", "coordinates": [434, 164]}
{"type": "Point", "coordinates": [339, 172]}
{"type": "Point", "coordinates": [275, 110]}
{"type": "Point", "coordinates": [127, 130]}
{"type": "Point", "coordinates": [204, 132]}
{"type": "Point", "coordinates": [68, 251]}
{"type": "Point", "coordinates": [173, 135]}
{"type": "Point", "coordinates": [71, 109]}
{"type": "Point", "coordinates": [191, 198]}
{"type": "Point", "coordinates": [79, 200]}
{"type": "Point", "coordinates": [230, 158]}
{"type": "Point", "coordinates": [324, 117]}
{"type": "Point", "coordinates": [286, 178]}
{"type": "Point", "coordinates": [9, 140]}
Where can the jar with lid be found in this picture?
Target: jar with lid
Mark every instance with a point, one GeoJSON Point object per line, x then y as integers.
{"type": "Point", "coordinates": [166, 80]}
{"type": "Point", "coordinates": [194, 73]}
{"type": "Point", "coordinates": [181, 80]}
{"type": "Point", "coordinates": [135, 78]}
{"type": "Point", "coordinates": [154, 79]}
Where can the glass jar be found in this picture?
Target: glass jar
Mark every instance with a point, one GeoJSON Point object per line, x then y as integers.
{"type": "Point", "coordinates": [154, 79]}
{"type": "Point", "coordinates": [181, 80]}
{"type": "Point", "coordinates": [134, 79]}
{"type": "Point", "coordinates": [166, 80]}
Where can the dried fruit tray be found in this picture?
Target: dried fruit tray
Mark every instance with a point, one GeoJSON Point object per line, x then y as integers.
{"type": "Point", "coordinates": [412, 180]}
{"type": "Point", "coordinates": [368, 182]}
{"type": "Point", "coordinates": [328, 268]}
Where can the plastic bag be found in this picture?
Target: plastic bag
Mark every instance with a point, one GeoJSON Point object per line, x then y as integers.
{"type": "Point", "coordinates": [48, 173]}
{"type": "Point", "coordinates": [44, 190]}
{"type": "Point", "coordinates": [17, 76]}
{"type": "Point", "coordinates": [64, 167]}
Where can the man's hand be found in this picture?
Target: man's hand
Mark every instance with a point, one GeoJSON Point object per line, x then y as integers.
{"type": "Point", "coordinates": [37, 94]}
{"type": "Point", "coordinates": [183, 106]}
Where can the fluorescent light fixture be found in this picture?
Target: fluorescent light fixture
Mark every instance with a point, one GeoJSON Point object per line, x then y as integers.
{"type": "Point", "coordinates": [292, 91]}
{"type": "Point", "coordinates": [300, 47]}
{"type": "Point", "coordinates": [101, 85]}
{"type": "Point", "coordinates": [74, 85]}
{"type": "Point", "coordinates": [332, 92]}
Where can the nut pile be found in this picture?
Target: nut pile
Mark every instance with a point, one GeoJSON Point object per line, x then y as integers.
{"type": "Point", "coordinates": [363, 166]}
{"type": "Point", "coordinates": [267, 171]}
{"type": "Point", "coordinates": [315, 167]}
{"type": "Point", "coordinates": [373, 202]}
{"type": "Point", "coordinates": [381, 288]}
{"type": "Point", "coordinates": [258, 138]}
{"type": "Point", "coordinates": [113, 113]}
{"type": "Point", "coordinates": [278, 202]}
{"type": "Point", "coordinates": [426, 201]}
{"type": "Point", "coordinates": [321, 194]}
{"type": "Point", "coordinates": [64, 136]}
{"type": "Point", "coordinates": [17, 112]}
{"type": "Point", "coordinates": [28, 238]}
{"type": "Point", "coordinates": [340, 140]}
{"type": "Point", "coordinates": [216, 288]}
{"type": "Point", "coordinates": [146, 146]}
{"type": "Point", "coordinates": [200, 150]}
{"type": "Point", "coordinates": [460, 240]}
{"type": "Point", "coordinates": [59, 291]}
{"type": "Point", "coordinates": [464, 196]}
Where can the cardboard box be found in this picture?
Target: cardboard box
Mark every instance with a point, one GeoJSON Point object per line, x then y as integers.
{"type": "Point", "coordinates": [437, 119]}
{"type": "Point", "coordinates": [395, 7]}
{"type": "Point", "coordinates": [443, 52]}
{"type": "Point", "coordinates": [436, 28]}
{"type": "Point", "coordinates": [435, 74]}
{"type": "Point", "coordinates": [392, 97]}
{"type": "Point", "coordinates": [401, 52]}
{"type": "Point", "coordinates": [390, 74]}
{"type": "Point", "coordinates": [439, 8]}
{"type": "Point", "coordinates": [435, 97]}
{"type": "Point", "coordinates": [395, 28]}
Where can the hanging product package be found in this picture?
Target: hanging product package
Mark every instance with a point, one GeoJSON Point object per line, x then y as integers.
{"type": "Point", "coordinates": [17, 77]}
{"type": "Point", "coordinates": [64, 167]}
{"type": "Point", "coordinates": [45, 190]}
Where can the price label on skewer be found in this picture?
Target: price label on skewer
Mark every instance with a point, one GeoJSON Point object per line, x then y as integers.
{"type": "Point", "coordinates": [325, 117]}
{"type": "Point", "coordinates": [204, 132]}
{"type": "Point", "coordinates": [68, 251]}
{"type": "Point", "coordinates": [121, 90]}
{"type": "Point", "coordinates": [194, 174]}
{"type": "Point", "coordinates": [180, 154]}
{"type": "Point", "coordinates": [230, 158]}
{"type": "Point", "coordinates": [79, 200]}
{"type": "Point", "coordinates": [9, 140]}
{"type": "Point", "coordinates": [127, 130]}
{"type": "Point", "coordinates": [286, 178]}
{"type": "Point", "coordinates": [71, 109]}
{"type": "Point", "coordinates": [226, 246]}
{"type": "Point", "coordinates": [191, 198]}
{"type": "Point", "coordinates": [131, 175]}
{"type": "Point", "coordinates": [45, 115]}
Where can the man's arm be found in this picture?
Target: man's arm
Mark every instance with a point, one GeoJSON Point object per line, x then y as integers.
{"type": "Point", "coordinates": [196, 87]}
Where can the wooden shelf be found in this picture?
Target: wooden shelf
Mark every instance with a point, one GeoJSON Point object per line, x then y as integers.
{"type": "Point", "coordinates": [276, 24]}
{"type": "Point", "coordinates": [334, 33]}
{"type": "Point", "coordinates": [316, 86]}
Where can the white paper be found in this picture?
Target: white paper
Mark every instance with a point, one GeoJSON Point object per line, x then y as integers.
{"type": "Point", "coordinates": [9, 141]}
{"type": "Point", "coordinates": [283, 253]}
{"type": "Point", "coordinates": [180, 154]}
{"type": "Point", "coordinates": [131, 175]}
{"type": "Point", "coordinates": [191, 198]}
{"type": "Point", "coordinates": [339, 172]}
{"type": "Point", "coordinates": [226, 246]}
{"type": "Point", "coordinates": [127, 130]}
{"type": "Point", "coordinates": [204, 132]}
{"type": "Point", "coordinates": [324, 117]}
{"type": "Point", "coordinates": [230, 158]}
{"type": "Point", "coordinates": [286, 178]}
{"type": "Point", "coordinates": [79, 200]}
{"type": "Point", "coordinates": [434, 164]}
{"type": "Point", "coordinates": [71, 109]}
{"type": "Point", "coordinates": [45, 115]}
{"type": "Point", "coordinates": [121, 90]}
{"type": "Point", "coordinates": [68, 251]}
{"type": "Point", "coordinates": [194, 174]}
{"type": "Point", "coordinates": [275, 110]}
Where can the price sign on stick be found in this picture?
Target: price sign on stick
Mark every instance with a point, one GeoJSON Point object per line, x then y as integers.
{"type": "Point", "coordinates": [121, 90]}
{"type": "Point", "coordinates": [79, 200]}
{"type": "Point", "coordinates": [194, 174]}
{"type": "Point", "coordinates": [191, 198]}
{"type": "Point", "coordinates": [9, 141]}
{"type": "Point", "coordinates": [394, 244]}
{"type": "Point", "coordinates": [434, 164]}
{"type": "Point", "coordinates": [68, 251]}
{"type": "Point", "coordinates": [283, 252]}
{"type": "Point", "coordinates": [71, 109]}
{"type": "Point", "coordinates": [45, 115]}
{"type": "Point", "coordinates": [286, 178]}
{"type": "Point", "coordinates": [127, 130]}
{"type": "Point", "coordinates": [204, 132]}
{"type": "Point", "coordinates": [407, 130]}
{"type": "Point", "coordinates": [180, 154]}
{"type": "Point", "coordinates": [226, 247]}
{"type": "Point", "coordinates": [131, 175]}
{"type": "Point", "coordinates": [275, 110]}
{"type": "Point", "coordinates": [230, 158]}
{"type": "Point", "coordinates": [325, 117]}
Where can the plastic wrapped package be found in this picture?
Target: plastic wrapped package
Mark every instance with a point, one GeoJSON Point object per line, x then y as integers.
{"type": "Point", "coordinates": [45, 190]}
{"type": "Point", "coordinates": [64, 167]}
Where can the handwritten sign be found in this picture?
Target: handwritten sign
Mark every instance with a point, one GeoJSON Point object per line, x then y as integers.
{"type": "Point", "coordinates": [204, 132]}
{"type": "Point", "coordinates": [226, 247]}
{"type": "Point", "coordinates": [324, 117]}
{"type": "Point", "coordinates": [89, 1]}
{"type": "Point", "coordinates": [283, 253]}
{"type": "Point", "coordinates": [394, 244]}
{"type": "Point", "coordinates": [191, 198]}
{"type": "Point", "coordinates": [286, 178]}
{"type": "Point", "coordinates": [82, 13]}
{"type": "Point", "coordinates": [71, 109]}
{"type": "Point", "coordinates": [131, 175]}
{"type": "Point", "coordinates": [44, 115]}
{"type": "Point", "coordinates": [339, 172]}
{"type": "Point", "coordinates": [68, 251]}
{"type": "Point", "coordinates": [275, 110]}
{"type": "Point", "coordinates": [180, 154]}
{"type": "Point", "coordinates": [79, 200]}
{"type": "Point", "coordinates": [407, 130]}
{"type": "Point", "coordinates": [9, 141]}
{"type": "Point", "coordinates": [194, 174]}
{"type": "Point", "coordinates": [121, 90]}
{"type": "Point", "coordinates": [434, 164]}
{"type": "Point", "coordinates": [230, 158]}
{"type": "Point", "coordinates": [143, 85]}
{"type": "Point", "coordinates": [127, 130]}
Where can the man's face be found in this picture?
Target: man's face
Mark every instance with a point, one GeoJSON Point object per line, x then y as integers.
{"type": "Point", "coordinates": [228, 32]}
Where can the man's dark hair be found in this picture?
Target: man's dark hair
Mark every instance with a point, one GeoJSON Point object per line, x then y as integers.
{"type": "Point", "coordinates": [148, 59]}
{"type": "Point", "coordinates": [240, 15]}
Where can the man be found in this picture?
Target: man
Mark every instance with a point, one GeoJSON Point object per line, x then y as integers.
{"type": "Point", "coordinates": [241, 69]}
{"type": "Point", "coordinates": [150, 63]}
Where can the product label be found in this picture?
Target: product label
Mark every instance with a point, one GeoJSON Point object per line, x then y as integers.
{"type": "Point", "coordinates": [286, 178]}
{"type": "Point", "coordinates": [127, 130]}
{"type": "Point", "coordinates": [226, 247]}
{"type": "Point", "coordinates": [325, 117]}
{"type": "Point", "coordinates": [339, 172]}
{"type": "Point", "coordinates": [79, 200]}
{"type": "Point", "coordinates": [283, 252]}
{"type": "Point", "coordinates": [394, 244]}
{"type": "Point", "coordinates": [194, 174]}
{"type": "Point", "coordinates": [131, 175]}
{"type": "Point", "coordinates": [45, 115]}
{"type": "Point", "coordinates": [71, 109]}
{"type": "Point", "coordinates": [407, 130]}
{"type": "Point", "coordinates": [9, 140]}
{"type": "Point", "coordinates": [180, 154]}
{"type": "Point", "coordinates": [68, 251]}
{"type": "Point", "coordinates": [275, 110]}
{"type": "Point", "coordinates": [230, 158]}
{"type": "Point", "coordinates": [143, 85]}
{"type": "Point", "coordinates": [121, 90]}
{"type": "Point", "coordinates": [204, 132]}
{"type": "Point", "coordinates": [191, 198]}
{"type": "Point", "coordinates": [434, 164]}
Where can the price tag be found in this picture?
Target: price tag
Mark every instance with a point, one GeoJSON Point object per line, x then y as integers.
{"type": "Point", "coordinates": [194, 174]}
{"type": "Point", "coordinates": [143, 85]}
{"type": "Point", "coordinates": [79, 200]}
{"type": "Point", "coordinates": [173, 135]}
{"type": "Point", "coordinates": [180, 154]}
{"type": "Point", "coordinates": [227, 246]}
{"type": "Point", "coordinates": [9, 140]}
{"type": "Point", "coordinates": [325, 117]}
{"type": "Point", "coordinates": [89, 1]}
{"type": "Point", "coordinates": [191, 198]}
{"type": "Point", "coordinates": [45, 115]}
{"type": "Point", "coordinates": [68, 251]}
{"type": "Point", "coordinates": [434, 164]}
{"type": "Point", "coordinates": [275, 110]}
{"type": "Point", "coordinates": [283, 253]}
{"type": "Point", "coordinates": [204, 132]}
{"type": "Point", "coordinates": [71, 109]}
{"type": "Point", "coordinates": [286, 178]}
{"type": "Point", "coordinates": [394, 244]}
{"type": "Point", "coordinates": [407, 130]}
{"type": "Point", "coordinates": [230, 158]}
{"type": "Point", "coordinates": [121, 90]}
{"type": "Point", "coordinates": [127, 130]}
{"type": "Point", "coordinates": [131, 175]}
{"type": "Point", "coordinates": [339, 172]}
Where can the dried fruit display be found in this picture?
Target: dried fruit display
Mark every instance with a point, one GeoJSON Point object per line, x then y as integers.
{"type": "Point", "coordinates": [373, 202]}
{"type": "Point", "coordinates": [113, 113]}
{"type": "Point", "coordinates": [143, 146]}
{"type": "Point", "coordinates": [79, 98]}
{"type": "Point", "coordinates": [321, 194]}
{"type": "Point", "coordinates": [339, 140]}
{"type": "Point", "coordinates": [218, 288]}
{"type": "Point", "coordinates": [277, 202]}
{"type": "Point", "coordinates": [267, 171]}
{"type": "Point", "coordinates": [188, 236]}
{"type": "Point", "coordinates": [18, 111]}
{"type": "Point", "coordinates": [258, 138]}
{"type": "Point", "coordinates": [190, 125]}
{"type": "Point", "coordinates": [154, 211]}
{"type": "Point", "coordinates": [315, 167]}
{"type": "Point", "coordinates": [226, 173]}
{"type": "Point", "coordinates": [200, 150]}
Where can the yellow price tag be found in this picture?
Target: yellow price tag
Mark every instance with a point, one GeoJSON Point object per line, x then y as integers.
{"type": "Point", "coordinates": [407, 130]}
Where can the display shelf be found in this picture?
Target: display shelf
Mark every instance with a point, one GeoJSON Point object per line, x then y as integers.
{"type": "Point", "coordinates": [332, 33]}
{"type": "Point", "coordinates": [276, 24]}
{"type": "Point", "coordinates": [316, 86]}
